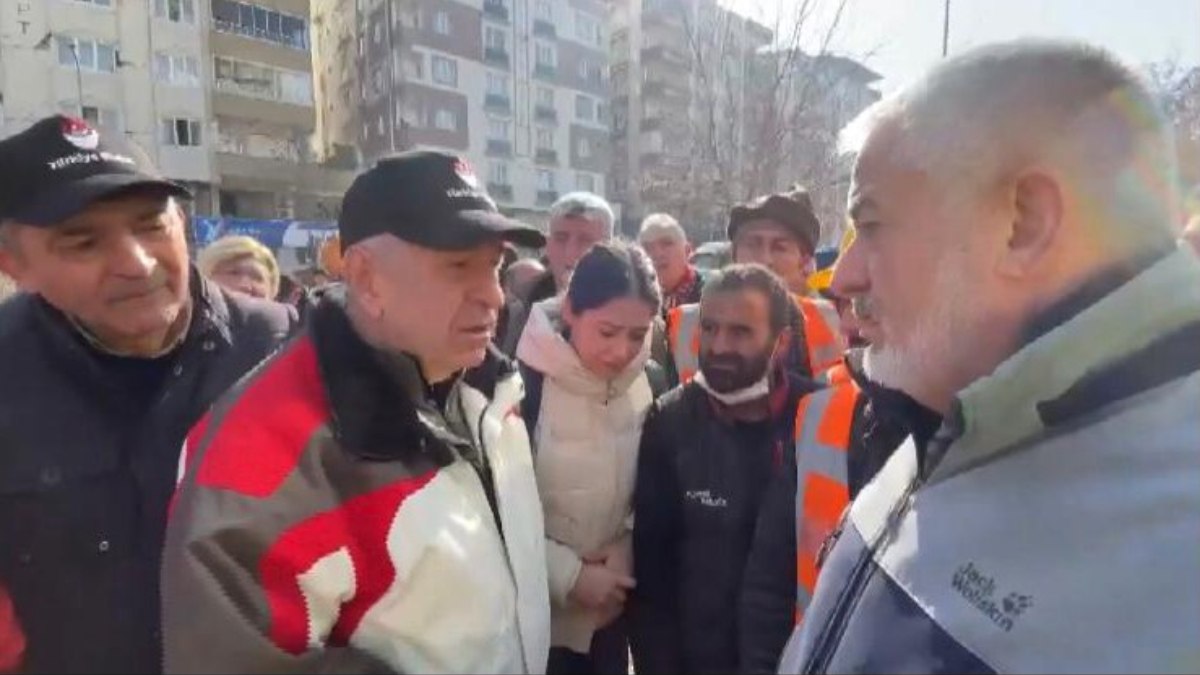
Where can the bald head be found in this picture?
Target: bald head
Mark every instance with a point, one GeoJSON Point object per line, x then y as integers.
{"type": "Point", "coordinates": [522, 275]}
{"type": "Point", "coordinates": [1070, 109]}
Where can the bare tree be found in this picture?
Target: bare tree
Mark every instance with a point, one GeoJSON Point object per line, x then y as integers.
{"type": "Point", "coordinates": [1178, 87]}
{"type": "Point", "coordinates": [762, 113]}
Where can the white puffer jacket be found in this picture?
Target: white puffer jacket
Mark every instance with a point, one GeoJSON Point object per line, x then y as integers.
{"type": "Point", "coordinates": [587, 440]}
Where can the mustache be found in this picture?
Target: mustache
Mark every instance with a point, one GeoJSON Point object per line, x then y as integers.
{"type": "Point", "coordinates": [130, 291]}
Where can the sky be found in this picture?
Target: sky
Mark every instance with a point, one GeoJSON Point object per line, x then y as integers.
{"type": "Point", "coordinates": [899, 39]}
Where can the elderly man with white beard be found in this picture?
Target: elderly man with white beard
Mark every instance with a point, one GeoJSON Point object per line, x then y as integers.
{"type": "Point", "coordinates": [1015, 270]}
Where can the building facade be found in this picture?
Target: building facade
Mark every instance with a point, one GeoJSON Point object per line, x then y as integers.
{"type": "Point", "coordinates": [219, 93]}
{"type": "Point", "coordinates": [519, 87]}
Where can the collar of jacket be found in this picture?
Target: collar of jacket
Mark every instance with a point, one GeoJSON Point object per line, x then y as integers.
{"type": "Point", "coordinates": [1109, 326]}
{"type": "Point", "coordinates": [382, 409]}
{"type": "Point", "coordinates": [887, 406]}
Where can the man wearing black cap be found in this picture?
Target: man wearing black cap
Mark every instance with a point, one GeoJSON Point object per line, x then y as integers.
{"type": "Point", "coordinates": [366, 501]}
{"type": "Point", "coordinates": [114, 353]}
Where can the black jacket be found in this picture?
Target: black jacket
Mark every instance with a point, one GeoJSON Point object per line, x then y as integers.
{"type": "Point", "coordinates": [881, 422]}
{"type": "Point", "coordinates": [88, 462]}
{"type": "Point", "coordinates": [515, 313]}
{"type": "Point", "coordinates": [699, 487]}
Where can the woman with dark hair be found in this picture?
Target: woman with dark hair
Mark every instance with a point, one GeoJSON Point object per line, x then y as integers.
{"type": "Point", "coordinates": [589, 383]}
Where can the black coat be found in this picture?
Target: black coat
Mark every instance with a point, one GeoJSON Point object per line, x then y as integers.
{"type": "Point", "coordinates": [699, 487]}
{"type": "Point", "coordinates": [88, 465]}
{"type": "Point", "coordinates": [882, 419]}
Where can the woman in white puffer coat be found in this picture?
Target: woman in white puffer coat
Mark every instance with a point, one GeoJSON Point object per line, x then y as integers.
{"type": "Point", "coordinates": [589, 383]}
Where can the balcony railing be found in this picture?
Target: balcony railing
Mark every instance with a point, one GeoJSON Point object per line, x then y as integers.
{"type": "Point", "coordinates": [500, 191]}
{"type": "Point", "coordinates": [497, 102]}
{"type": "Point", "coordinates": [496, 56]}
{"type": "Point", "coordinates": [545, 71]}
{"type": "Point", "coordinates": [543, 28]}
{"type": "Point", "coordinates": [297, 40]}
{"type": "Point", "coordinates": [544, 113]}
{"type": "Point", "coordinates": [496, 11]}
{"type": "Point", "coordinates": [499, 148]}
{"type": "Point", "coordinates": [547, 197]}
{"type": "Point", "coordinates": [546, 156]}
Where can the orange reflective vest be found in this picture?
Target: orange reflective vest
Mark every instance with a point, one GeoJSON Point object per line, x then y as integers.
{"type": "Point", "coordinates": [823, 423]}
{"type": "Point", "coordinates": [836, 375]}
{"type": "Point", "coordinates": [821, 333]}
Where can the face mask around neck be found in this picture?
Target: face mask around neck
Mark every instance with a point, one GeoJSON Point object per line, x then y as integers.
{"type": "Point", "coordinates": [754, 392]}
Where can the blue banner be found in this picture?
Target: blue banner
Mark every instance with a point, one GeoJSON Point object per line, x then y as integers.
{"type": "Point", "coordinates": [274, 234]}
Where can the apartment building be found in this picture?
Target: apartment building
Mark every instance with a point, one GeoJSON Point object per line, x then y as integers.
{"type": "Point", "coordinates": [219, 93]}
{"type": "Point", "coordinates": [519, 87]}
{"type": "Point", "coordinates": [677, 65]}
{"type": "Point", "coordinates": [132, 67]}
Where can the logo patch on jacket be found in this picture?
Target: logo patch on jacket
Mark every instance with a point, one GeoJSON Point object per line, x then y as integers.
{"type": "Point", "coordinates": [706, 498]}
{"type": "Point", "coordinates": [980, 590]}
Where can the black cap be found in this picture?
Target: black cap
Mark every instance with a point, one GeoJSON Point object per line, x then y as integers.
{"type": "Point", "coordinates": [60, 165]}
{"type": "Point", "coordinates": [792, 209]}
{"type": "Point", "coordinates": [428, 198]}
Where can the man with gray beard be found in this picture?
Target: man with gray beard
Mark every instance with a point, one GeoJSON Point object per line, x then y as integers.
{"type": "Point", "coordinates": [1016, 271]}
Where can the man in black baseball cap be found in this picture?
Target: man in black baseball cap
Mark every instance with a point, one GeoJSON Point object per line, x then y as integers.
{"type": "Point", "coordinates": [113, 351]}
{"type": "Point", "coordinates": [392, 501]}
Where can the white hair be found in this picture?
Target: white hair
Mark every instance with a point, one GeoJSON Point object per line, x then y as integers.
{"type": "Point", "coordinates": [658, 225]}
{"type": "Point", "coordinates": [993, 110]}
{"type": "Point", "coordinates": [584, 205]}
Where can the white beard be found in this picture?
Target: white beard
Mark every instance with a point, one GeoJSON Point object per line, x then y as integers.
{"type": "Point", "coordinates": [943, 335]}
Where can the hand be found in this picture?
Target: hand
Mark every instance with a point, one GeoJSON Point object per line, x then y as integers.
{"type": "Point", "coordinates": [598, 586]}
{"type": "Point", "coordinates": [608, 614]}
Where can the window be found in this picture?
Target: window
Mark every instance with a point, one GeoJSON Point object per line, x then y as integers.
{"type": "Point", "coordinates": [583, 149]}
{"type": "Point", "coordinates": [177, 69]}
{"type": "Point", "coordinates": [584, 108]}
{"type": "Point", "coordinates": [94, 56]}
{"type": "Point", "coordinates": [545, 180]}
{"type": "Point", "coordinates": [445, 71]}
{"type": "Point", "coordinates": [98, 3]}
{"type": "Point", "coordinates": [494, 38]}
{"type": "Point", "coordinates": [544, 10]}
{"type": "Point", "coordinates": [590, 72]}
{"type": "Point", "coordinates": [259, 81]}
{"type": "Point", "coordinates": [176, 11]}
{"type": "Point", "coordinates": [445, 120]}
{"type": "Point", "coordinates": [181, 132]}
{"type": "Point", "coordinates": [545, 97]}
{"type": "Point", "coordinates": [498, 130]}
{"type": "Point", "coordinates": [381, 125]}
{"type": "Point", "coordinates": [497, 85]}
{"type": "Point", "coordinates": [441, 23]}
{"type": "Point", "coordinates": [544, 55]}
{"type": "Point", "coordinates": [585, 182]}
{"type": "Point", "coordinates": [587, 29]}
{"type": "Point", "coordinates": [249, 20]}
{"type": "Point", "coordinates": [545, 139]}
{"type": "Point", "coordinates": [498, 173]}
{"type": "Point", "coordinates": [99, 118]}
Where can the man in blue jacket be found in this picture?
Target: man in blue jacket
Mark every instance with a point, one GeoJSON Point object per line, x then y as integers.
{"type": "Point", "coordinates": [1016, 271]}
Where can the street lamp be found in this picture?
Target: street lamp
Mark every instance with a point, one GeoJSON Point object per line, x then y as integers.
{"type": "Point", "coordinates": [44, 45]}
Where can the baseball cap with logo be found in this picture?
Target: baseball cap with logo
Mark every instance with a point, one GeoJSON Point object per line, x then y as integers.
{"type": "Point", "coordinates": [428, 198]}
{"type": "Point", "coordinates": [60, 165]}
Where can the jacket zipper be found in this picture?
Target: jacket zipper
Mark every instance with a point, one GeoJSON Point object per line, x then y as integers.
{"type": "Point", "coordinates": [836, 626]}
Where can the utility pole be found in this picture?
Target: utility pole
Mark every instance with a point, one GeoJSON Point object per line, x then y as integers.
{"type": "Point", "coordinates": [78, 78]}
{"type": "Point", "coordinates": [946, 30]}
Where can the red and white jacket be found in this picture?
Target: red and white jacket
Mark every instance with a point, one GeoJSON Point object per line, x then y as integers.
{"type": "Point", "coordinates": [332, 518]}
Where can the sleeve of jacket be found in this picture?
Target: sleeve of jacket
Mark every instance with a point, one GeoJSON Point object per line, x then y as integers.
{"type": "Point", "coordinates": [239, 596]}
{"type": "Point", "coordinates": [563, 566]}
{"type": "Point", "coordinates": [12, 638]}
{"type": "Point", "coordinates": [654, 610]}
{"type": "Point", "coordinates": [768, 602]}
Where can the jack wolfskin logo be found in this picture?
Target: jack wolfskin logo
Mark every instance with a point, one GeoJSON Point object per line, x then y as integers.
{"type": "Point", "coordinates": [980, 590]}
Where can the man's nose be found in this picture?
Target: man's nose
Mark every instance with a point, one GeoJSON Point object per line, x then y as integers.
{"type": "Point", "coordinates": [490, 293]}
{"type": "Point", "coordinates": [129, 258]}
{"type": "Point", "coordinates": [850, 273]}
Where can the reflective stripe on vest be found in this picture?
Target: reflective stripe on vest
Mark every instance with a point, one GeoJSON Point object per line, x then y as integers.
{"type": "Point", "coordinates": [821, 332]}
{"type": "Point", "coordinates": [683, 334]}
{"type": "Point", "coordinates": [823, 423]}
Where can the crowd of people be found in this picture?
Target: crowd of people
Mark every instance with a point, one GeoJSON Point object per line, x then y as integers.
{"type": "Point", "coordinates": [972, 445]}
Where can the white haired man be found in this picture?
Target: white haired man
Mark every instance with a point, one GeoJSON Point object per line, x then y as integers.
{"type": "Point", "coordinates": [578, 221]}
{"type": "Point", "coordinates": [667, 244]}
{"type": "Point", "coordinates": [1015, 270]}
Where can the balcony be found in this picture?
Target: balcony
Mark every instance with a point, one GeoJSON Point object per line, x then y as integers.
{"type": "Point", "coordinates": [664, 90]}
{"type": "Point", "coordinates": [544, 113]}
{"type": "Point", "coordinates": [496, 11]}
{"type": "Point", "coordinates": [547, 197]}
{"type": "Point", "coordinates": [664, 55]}
{"type": "Point", "coordinates": [547, 156]}
{"type": "Point", "coordinates": [497, 103]}
{"type": "Point", "coordinates": [543, 28]}
{"type": "Point", "coordinates": [500, 191]}
{"type": "Point", "coordinates": [499, 148]}
{"type": "Point", "coordinates": [545, 71]}
{"type": "Point", "coordinates": [496, 56]}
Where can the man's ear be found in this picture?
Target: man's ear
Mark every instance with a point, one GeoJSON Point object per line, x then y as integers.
{"type": "Point", "coordinates": [1036, 221]}
{"type": "Point", "coordinates": [12, 261]}
{"type": "Point", "coordinates": [358, 269]}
